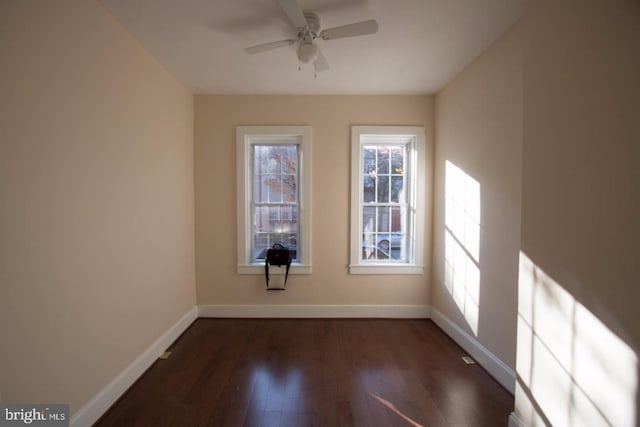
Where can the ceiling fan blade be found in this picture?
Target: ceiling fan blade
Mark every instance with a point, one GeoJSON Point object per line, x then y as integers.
{"type": "Point", "coordinates": [350, 30]}
{"type": "Point", "coordinates": [320, 63]}
{"type": "Point", "coordinates": [294, 13]}
{"type": "Point", "coordinates": [268, 46]}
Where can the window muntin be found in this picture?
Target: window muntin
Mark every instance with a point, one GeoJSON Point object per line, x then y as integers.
{"type": "Point", "coordinates": [387, 205]}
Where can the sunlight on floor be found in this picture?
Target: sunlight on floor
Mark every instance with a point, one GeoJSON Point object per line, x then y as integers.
{"type": "Point", "coordinates": [462, 242]}
{"type": "Point", "coordinates": [572, 370]}
{"type": "Point", "coordinates": [393, 408]}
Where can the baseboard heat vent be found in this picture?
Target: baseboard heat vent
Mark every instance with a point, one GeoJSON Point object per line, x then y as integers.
{"type": "Point", "coordinates": [468, 360]}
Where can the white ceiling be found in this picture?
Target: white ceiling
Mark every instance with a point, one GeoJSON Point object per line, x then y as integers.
{"type": "Point", "coordinates": [419, 47]}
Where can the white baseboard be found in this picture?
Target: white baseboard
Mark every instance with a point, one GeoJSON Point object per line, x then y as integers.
{"type": "Point", "coordinates": [496, 367]}
{"type": "Point", "coordinates": [316, 311]}
{"type": "Point", "coordinates": [98, 405]}
{"type": "Point", "coordinates": [515, 421]}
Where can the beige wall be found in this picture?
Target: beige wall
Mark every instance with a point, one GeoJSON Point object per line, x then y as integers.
{"type": "Point", "coordinates": [479, 129]}
{"type": "Point", "coordinates": [96, 200]}
{"type": "Point", "coordinates": [581, 194]}
{"type": "Point", "coordinates": [330, 118]}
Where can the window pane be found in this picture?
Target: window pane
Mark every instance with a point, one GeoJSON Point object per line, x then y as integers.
{"type": "Point", "coordinates": [369, 188]}
{"type": "Point", "coordinates": [368, 219]}
{"type": "Point", "coordinates": [260, 246]}
{"type": "Point", "coordinates": [289, 188]}
{"type": "Point", "coordinates": [260, 188]}
{"type": "Point", "coordinates": [291, 242]}
{"type": "Point", "coordinates": [274, 183]}
{"type": "Point", "coordinates": [397, 160]}
{"type": "Point", "coordinates": [275, 225]}
{"type": "Point", "coordinates": [369, 159]}
{"type": "Point", "coordinates": [383, 160]}
{"type": "Point", "coordinates": [288, 221]}
{"type": "Point", "coordinates": [261, 159]}
{"type": "Point", "coordinates": [383, 218]}
{"type": "Point", "coordinates": [397, 189]}
{"type": "Point", "coordinates": [276, 238]}
{"type": "Point", "coordinates": [384, 244]}
{"type": "Point", "coordinates": [289, 159]}
{"type": "Point", "coordinates": [369, 249]}
{"type": "Point", "coordinates": [275, 159]}
{"type": "Point", "coordinates": [383, 189]}
{"type": "Point", "coordinates": [398, 234]}
{"type": "Point", "coordinates": [261, 223]}
{"type": "Point", "coordinates": [398, 219]}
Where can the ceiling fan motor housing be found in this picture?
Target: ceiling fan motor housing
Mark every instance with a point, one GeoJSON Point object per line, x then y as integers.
{"type": "Point", "coordinates": [313, 24]}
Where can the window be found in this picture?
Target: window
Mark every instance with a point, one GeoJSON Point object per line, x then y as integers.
{"type": "Point", "coordinates": [387, 199]}
{"type": "Point", "coordinates": [274, 182]}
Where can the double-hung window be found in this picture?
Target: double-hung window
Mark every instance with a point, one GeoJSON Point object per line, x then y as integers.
{"type": "Point", "coordinates": [387, 199]}
{"type": "Point", "coordinates": [274, 172]}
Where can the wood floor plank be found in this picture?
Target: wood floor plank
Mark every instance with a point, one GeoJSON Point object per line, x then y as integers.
{"type": "Point", "coordinates": [313, 372]}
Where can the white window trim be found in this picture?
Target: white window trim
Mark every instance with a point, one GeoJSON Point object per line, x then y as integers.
{"type": "Point", "coordinates": [244, 137]}
{"type": "Point", "coordinates": [418, 165]}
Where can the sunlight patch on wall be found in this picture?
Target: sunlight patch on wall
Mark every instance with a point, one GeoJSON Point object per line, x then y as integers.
{"type": "Point", "coordinates": [462, 242]}
{"type": "Point", "coordinates": [572, 370]}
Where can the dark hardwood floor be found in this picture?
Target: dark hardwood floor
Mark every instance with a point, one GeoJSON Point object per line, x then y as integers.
{"type": "Point", "coordinates": [291, 372]}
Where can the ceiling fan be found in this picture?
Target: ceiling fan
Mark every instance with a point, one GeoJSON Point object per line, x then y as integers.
{"type": "Point", "coordinates": [307, 27]}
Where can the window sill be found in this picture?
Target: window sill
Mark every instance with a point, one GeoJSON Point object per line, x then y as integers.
{"type": "Point", "coordinates": [385, 269]}
{"type": "Point", "coordinates": [273, 270]}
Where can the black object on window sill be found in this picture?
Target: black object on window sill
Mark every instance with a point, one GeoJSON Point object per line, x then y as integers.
{"type": "Point", "coordinates": [277, 255]}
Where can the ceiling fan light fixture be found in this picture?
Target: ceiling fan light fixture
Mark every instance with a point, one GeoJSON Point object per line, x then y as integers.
{"type": "Point", "coordinates": [307, 52]}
